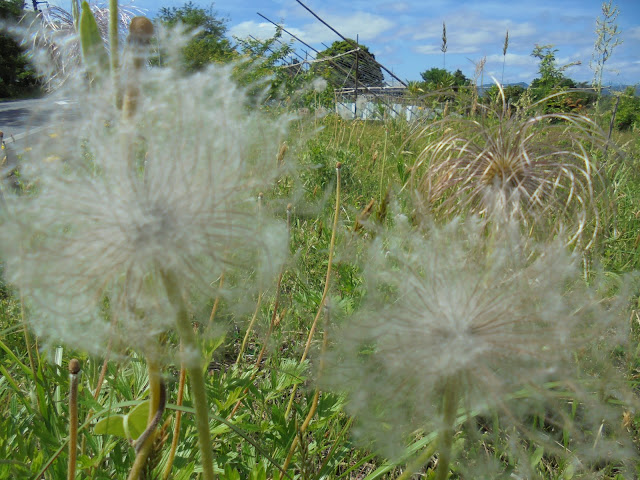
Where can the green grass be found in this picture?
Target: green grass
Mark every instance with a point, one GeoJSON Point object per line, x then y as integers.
{"type": "Point", "coordinates": [255, 442]}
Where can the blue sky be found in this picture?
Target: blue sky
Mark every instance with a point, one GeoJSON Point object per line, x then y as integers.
{"type": "Point", "coordinates": [405, 36]}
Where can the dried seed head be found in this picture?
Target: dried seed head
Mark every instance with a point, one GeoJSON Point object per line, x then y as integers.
{"type": "Point", "coordinates": [74, 366]}
{"type": "Point", "coordinates": [518, 169]}
{"type": "Point", "coordinates": [140, 30]}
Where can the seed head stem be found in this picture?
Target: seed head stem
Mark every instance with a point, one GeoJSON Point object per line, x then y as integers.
{"type": "Point", "coordinates": [74, 368]}
{"type": "Point", "coordinates": [113, 47]}
{"type": "Point", "coordinates": [445, 440]}
{"type": "Point", "coordinates": [194, 370]}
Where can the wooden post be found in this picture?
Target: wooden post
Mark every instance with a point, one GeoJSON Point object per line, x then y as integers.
{"type": "Point", "coordinates": [355, 101]}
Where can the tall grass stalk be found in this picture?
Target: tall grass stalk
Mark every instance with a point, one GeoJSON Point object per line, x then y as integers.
{"type": "Point", "coordinates": [504, 55]}
{"type": "Point", "coordinates": [74, 369]}
{"type": "Point", "coordinates": [325, 291]}
{"type": "Point", "coordinates": [114, 51]}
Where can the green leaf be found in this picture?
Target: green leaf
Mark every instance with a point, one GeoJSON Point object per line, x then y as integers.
{"type": "Point", "coordinates": [258, 473]}
{"type": "Point", "coordinates": [568, 472]}
{"type": "Point", "coordinates": [111, 425]}
{"type": "Point", "coordinates": [136, 421]}
{"type": "Point", "coordinates": [231, 473]}
{"type": "Point", "coordinates": [94, 52]}
{"type": "Point", "coordinates": [537, 456]}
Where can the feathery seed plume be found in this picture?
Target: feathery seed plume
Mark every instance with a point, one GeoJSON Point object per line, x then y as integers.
{"type": "Point", "coordinates": [116, 202]}
{"type": "Point", "coordinates": [535, 171]}
{"type": "Point", "coordinates": [450, 316]}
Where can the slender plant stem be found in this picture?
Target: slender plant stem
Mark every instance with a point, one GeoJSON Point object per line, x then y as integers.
{"type": "Point", "coordinates": [176, 427]}
{"type": "Point", "coordinates": [216, 303]}
{"type": "Point", "coordinates": [332, 245]}
{"type": "Point", "coordinates": [113, 47]}
{"type": "Point", "coordinates": [249, 328]}
{"type": "Point", "coordinates": [194, 370]}
{"type": "Point", "coordinates": [74, 368]}
{"type": "Point", "coordinates": [445, 438]}
{"type": "Point", "coordinates": [144, 444]}
{"type": "Point", "coordinates": [418, 462]}
{"type": "Point", "coordinates": [384, 163]}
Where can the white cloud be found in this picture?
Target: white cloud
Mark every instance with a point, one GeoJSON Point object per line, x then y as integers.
{"type": "Point", "coordinates": [633, 33]}
{"type": "Point", "coordinates": [259, 30]}
{"type": "Point", "coordinates": [397, 7]}
{"type": "Point", "coordinates": [365, 25]}
{"type": "Point", "coordinates": [435, 50]}
{"type": "Point", "coordinates": [512, 59]}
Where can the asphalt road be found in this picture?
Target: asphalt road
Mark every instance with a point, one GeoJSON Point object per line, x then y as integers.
{"type": "Point", "coordinates": [22, 118]}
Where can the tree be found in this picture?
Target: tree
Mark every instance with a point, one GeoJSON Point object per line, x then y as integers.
{"type": "Point", "coordinates": [17, 76]}
{"type": "Point", "coordinates": [342, 63]}
{"type": "Point", "coordinates": [439, 79]}
{"type": "Point", "coordinates": [209, 44]}
{"type": "Point", "coordinates": [512, 94]}
{"type": "Point", "coordinates": [628, 113]}
{"type": "Point", "coordinates": [552, 81]}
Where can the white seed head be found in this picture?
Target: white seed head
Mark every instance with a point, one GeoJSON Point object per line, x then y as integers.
{"type": "Point", "coordinates": [453, 309]}
{"type": "Point", "coordinates": [122, 200]}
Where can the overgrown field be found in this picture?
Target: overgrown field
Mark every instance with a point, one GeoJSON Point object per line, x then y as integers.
{"type": "Point", "coordinates": [411, 324]}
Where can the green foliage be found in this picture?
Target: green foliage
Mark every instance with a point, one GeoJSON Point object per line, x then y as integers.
{"type": "Point", "coordinates": [628, 112]}
{"type": "Point", "coordinates": [341, 71]}
{"type": "Point", "coordinates": [552, 82]}
{"type": "Point", "coordinates": [438, 78]}
{"type": "Point", "coordinates": [255, 441]}
{"type": "Point", "coordinates": [512, 94]}
{"type": "Point", "coordinates": [17, 76]}
{"type": "Point", "coordinates": [209, 44]}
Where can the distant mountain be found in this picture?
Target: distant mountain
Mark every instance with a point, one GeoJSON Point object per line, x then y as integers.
{"type": "Point", "coordinates": [607, 89]}
{"type": "Point", "coordinates": [621, 88]}
{"type": "Point", "coordinates": [519, 84]}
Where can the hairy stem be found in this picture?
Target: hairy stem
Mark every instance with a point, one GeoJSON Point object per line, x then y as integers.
{"type": "Point", "coordinates": [194, 370]}
{"type": "Point", "coordinates": [445, 438]}
{"type": "Point", "coordinates": [316, 397]}
{"type": "Point", "coordinates": [113, 47]}
{"type": "Point", "coordinates": [74, 368]}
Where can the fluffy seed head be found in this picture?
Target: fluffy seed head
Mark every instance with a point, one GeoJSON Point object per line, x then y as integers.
{"type": "Point", "coordinates": [114, 202]}
{"type": "Point", "coordinates": [449, 312]}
